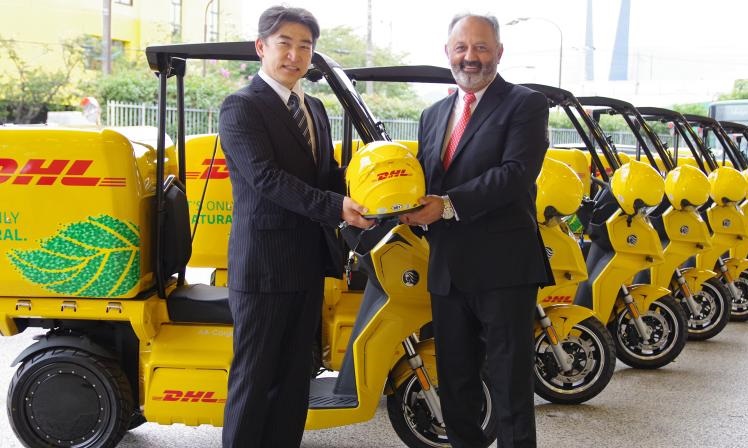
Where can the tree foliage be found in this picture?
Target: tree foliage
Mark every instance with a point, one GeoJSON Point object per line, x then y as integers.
{"type": "Point", "coordinates": [30, 91]}
{"type": "Point", "coordinates": [739, 91]}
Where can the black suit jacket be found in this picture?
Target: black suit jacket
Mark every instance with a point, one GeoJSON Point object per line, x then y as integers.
{"type": "Point", "coordinates": [285, 206]}
{"type": "Point", "coordinates": [491, 183]}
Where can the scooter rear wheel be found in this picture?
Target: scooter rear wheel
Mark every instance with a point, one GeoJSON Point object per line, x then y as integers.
{"type": "Point", "coordinates": [592, 351]}
{"type": "Point", "coordinates": [412, 421]}
{"type": "Point", "coordinates": [65, 397]}
{"type": "Point", "coordinates": [667, 321]}
{"type": "Point", "coordinates": [715, 301]}
{"type": "Point", "coordinates": [740, 304]}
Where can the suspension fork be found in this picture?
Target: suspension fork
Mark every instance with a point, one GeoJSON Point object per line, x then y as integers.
{"type": "Point", "coordinates": [729, 281]}
{"type": "Point", "coordinates": [643, 329]}
{"type": "Point", "coordinates": [693, 307]}
{"type": "Point", "coordinates": [562, 358]}
{"type": "Point", "coordinates": [427, 386]}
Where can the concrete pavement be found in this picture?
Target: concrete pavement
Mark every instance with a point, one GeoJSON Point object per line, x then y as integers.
{"type": "Point", "coordinates": [701, 400]}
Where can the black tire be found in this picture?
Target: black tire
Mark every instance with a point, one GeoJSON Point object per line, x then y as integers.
{"type": "Point", "coordinates": [669, 334]}
{"type": "Point", "coordinates": [594, 360]}
{"type": "Point", "coordinates": [413, 423]}
{"type": "Point", "coordinates": [740, 304]}
{"type": "Point", "coordinates": [716, 302]}
{"type": "Point", "coordinates": [65, 397]}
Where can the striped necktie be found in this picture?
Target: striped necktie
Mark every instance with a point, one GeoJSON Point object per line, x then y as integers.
{"type": "Point", "coordinates": [300, 118]}
{"type": "Point", "coordinates": [459, 129]}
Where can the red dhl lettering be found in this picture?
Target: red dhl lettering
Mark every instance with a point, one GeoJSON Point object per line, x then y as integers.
{"type": "Point", "coordinates": [394, 173]}
{"type": "Point", "coordinates": [219, 170]}
{"type": "Point", "coordinates": [49, 172]}
{"type": "Point", "coordinates": [189, 396]}
{"type": "Point", "coordinates": [557, 299]}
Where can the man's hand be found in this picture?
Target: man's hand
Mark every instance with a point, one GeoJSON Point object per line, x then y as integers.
{"type": "Point", "coordinates": [432, 209]}
{"type": "Point", "coordinates": [352, 214]}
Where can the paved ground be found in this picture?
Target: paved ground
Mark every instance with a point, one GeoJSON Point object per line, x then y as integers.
{"type": "Point", "coordinates": [701, 400]}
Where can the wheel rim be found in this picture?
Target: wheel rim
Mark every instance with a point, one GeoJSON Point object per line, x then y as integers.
{"type": "Point", "coordinates": [67, 405]}
{"type": "Point", "coordinates": [588, 361]}
{"type": "Point", "coordinates": [740, 304]}
{"type": "Point", "coordinates": [414, 406]}
{"type": "Point", "coordinates": [711, 308]}
{"type": "Point", "coordinates": [665, 330]}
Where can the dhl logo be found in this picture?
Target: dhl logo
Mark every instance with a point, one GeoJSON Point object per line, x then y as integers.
{"type": "Point", "coordinates": [219, 170]}
{"type": "Point", "coordinates": [393, 173]}
{"type": "Point", "coordinates": [191, 396]}
{"type": "Point", "coordinates": [56, 171]}
{"type": "Point", "coordinates": [557, 299]}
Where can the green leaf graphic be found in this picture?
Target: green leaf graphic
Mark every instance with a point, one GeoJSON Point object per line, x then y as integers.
{"type": "Point", "coordinates": [99, 257]}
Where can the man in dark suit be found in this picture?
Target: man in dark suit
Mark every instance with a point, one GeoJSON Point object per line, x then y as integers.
{"type": "Point", "coordinates": [481, 149]}
{"type": "Point", "coordinates": [287, 191]}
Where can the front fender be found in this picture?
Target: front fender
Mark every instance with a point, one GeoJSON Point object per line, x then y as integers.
{"type": "Point", "coordinates": [644, 295]}
{"type": "Point", "coordinates": [563, 318]}
{"type": "Point", "coordinates": [696, 277]}
{"type": "Point", "coordinates": [402, 371]}
{"type": "Point", "coordinates": [52, 341]}
{"type": "Point", "coordinates": [736, 266]}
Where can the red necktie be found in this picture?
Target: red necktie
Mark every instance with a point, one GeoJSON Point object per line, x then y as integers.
{"type": "Point", "coordinates": [459, 129]}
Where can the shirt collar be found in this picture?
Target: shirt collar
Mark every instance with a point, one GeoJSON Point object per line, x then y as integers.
{"type": "Point", "coordinates": [283, 92]}
{"type": "Point", "coordinates": [478, 95]}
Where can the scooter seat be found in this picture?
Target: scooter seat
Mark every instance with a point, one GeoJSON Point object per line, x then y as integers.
{"type": "Point", "coordinates": [199, 304]}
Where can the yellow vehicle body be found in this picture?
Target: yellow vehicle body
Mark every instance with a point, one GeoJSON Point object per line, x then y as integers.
{"type": "Point", "coordinates": [637, 246]}
{"type": "Point", "coordinates": [729, 231]}
{"type": "Point", "coordinates": [53, 246]}
{"type": "Point", "coordinates": [688, 235]}
{"type": "Point", "coordinates": [569, 269]}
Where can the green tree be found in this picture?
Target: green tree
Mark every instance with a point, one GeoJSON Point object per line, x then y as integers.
{"type": "Point", "coordinates": [691, 108]}
{"type": "Point", "coordinates": [31, 91]}
{"type": "Point", "coordinates": [739, 91]}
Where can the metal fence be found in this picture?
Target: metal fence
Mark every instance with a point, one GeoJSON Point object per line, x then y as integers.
{"type": "Point", "coordinates": [205, 121]}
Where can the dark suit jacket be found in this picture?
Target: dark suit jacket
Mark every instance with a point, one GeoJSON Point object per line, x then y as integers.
{"type": "Point", "coordinates": [491, 183]}
{"type": "Point", "coordinates": [282, 235]}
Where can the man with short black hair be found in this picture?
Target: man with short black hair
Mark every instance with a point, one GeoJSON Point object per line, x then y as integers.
{"type": "Point", "coordinates": [288, 196]}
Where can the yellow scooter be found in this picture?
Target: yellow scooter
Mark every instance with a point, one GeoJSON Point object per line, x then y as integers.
{"type": "Point", "coordinates": [574, 353]}
{"type": "Point", "coordinates": [647, 325]}
{"type": "Point", "coordinates": [682, 231]}
{"type": "Point", "coordinates": [733, 215]}
{"type": "Point", "coordinates": [128, 340]}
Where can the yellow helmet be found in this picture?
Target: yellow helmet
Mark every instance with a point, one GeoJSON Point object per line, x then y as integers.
{"type": "Point", "coordinates": [386, 178]}
{"type": "Point", "coordinates": [727, 185]}
{"type": "Point", "coordinates": [686, 186]}
{"type": "Point", "coordinates": [559, 191]}
{"type": "Point", "coordinates": [636, 185]}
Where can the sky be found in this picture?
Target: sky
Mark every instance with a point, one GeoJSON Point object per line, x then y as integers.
{"type": "Point", "coordinates": [679, 50]}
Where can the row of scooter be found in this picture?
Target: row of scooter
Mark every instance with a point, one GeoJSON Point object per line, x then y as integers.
{"type": "Point", "coordinates": [647, 249]}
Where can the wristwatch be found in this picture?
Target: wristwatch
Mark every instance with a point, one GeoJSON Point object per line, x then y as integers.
{"type": "Point", "coordinates": [448, 212]}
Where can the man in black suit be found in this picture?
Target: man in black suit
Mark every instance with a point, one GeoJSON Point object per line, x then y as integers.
{"type": "Point", "coordinates": [287, 191]}
{"type": "Point", "coordinates": [481, 149]}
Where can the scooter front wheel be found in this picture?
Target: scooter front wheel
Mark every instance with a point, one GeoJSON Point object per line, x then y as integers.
{"type": "Point", "coordinates": [592, 353]}
{"type": "Point", "coordinates": [715, 302]}
{"type": "Point", "coordinates": [412, 421]}
{"type": "Point", "coordinates": [667, 322]}
{"type": "Point", "coordinates": [740, 304]}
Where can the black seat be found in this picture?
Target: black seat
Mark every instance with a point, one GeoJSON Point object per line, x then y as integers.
{"type": "Point", "coordinates": [199, 304]}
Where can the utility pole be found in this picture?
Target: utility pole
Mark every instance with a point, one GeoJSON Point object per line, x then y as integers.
{"type": "Point", "coordinates": [369, 49]}
{"type": "Point", "coordinates": [106, 37]}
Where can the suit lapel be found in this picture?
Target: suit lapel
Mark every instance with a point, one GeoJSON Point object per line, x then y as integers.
{"type": "Point", "coordinates": [275, 106]}
{"type": "Point", "coordinates": [319, 129]}
{"type": "Point", "coordinates": [491, 99]}
{"type": "Point", "coordinates": [443, 114]}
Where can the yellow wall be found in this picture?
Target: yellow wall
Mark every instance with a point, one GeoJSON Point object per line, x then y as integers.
{"type": "Point", "coordinates": [34, 24]}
